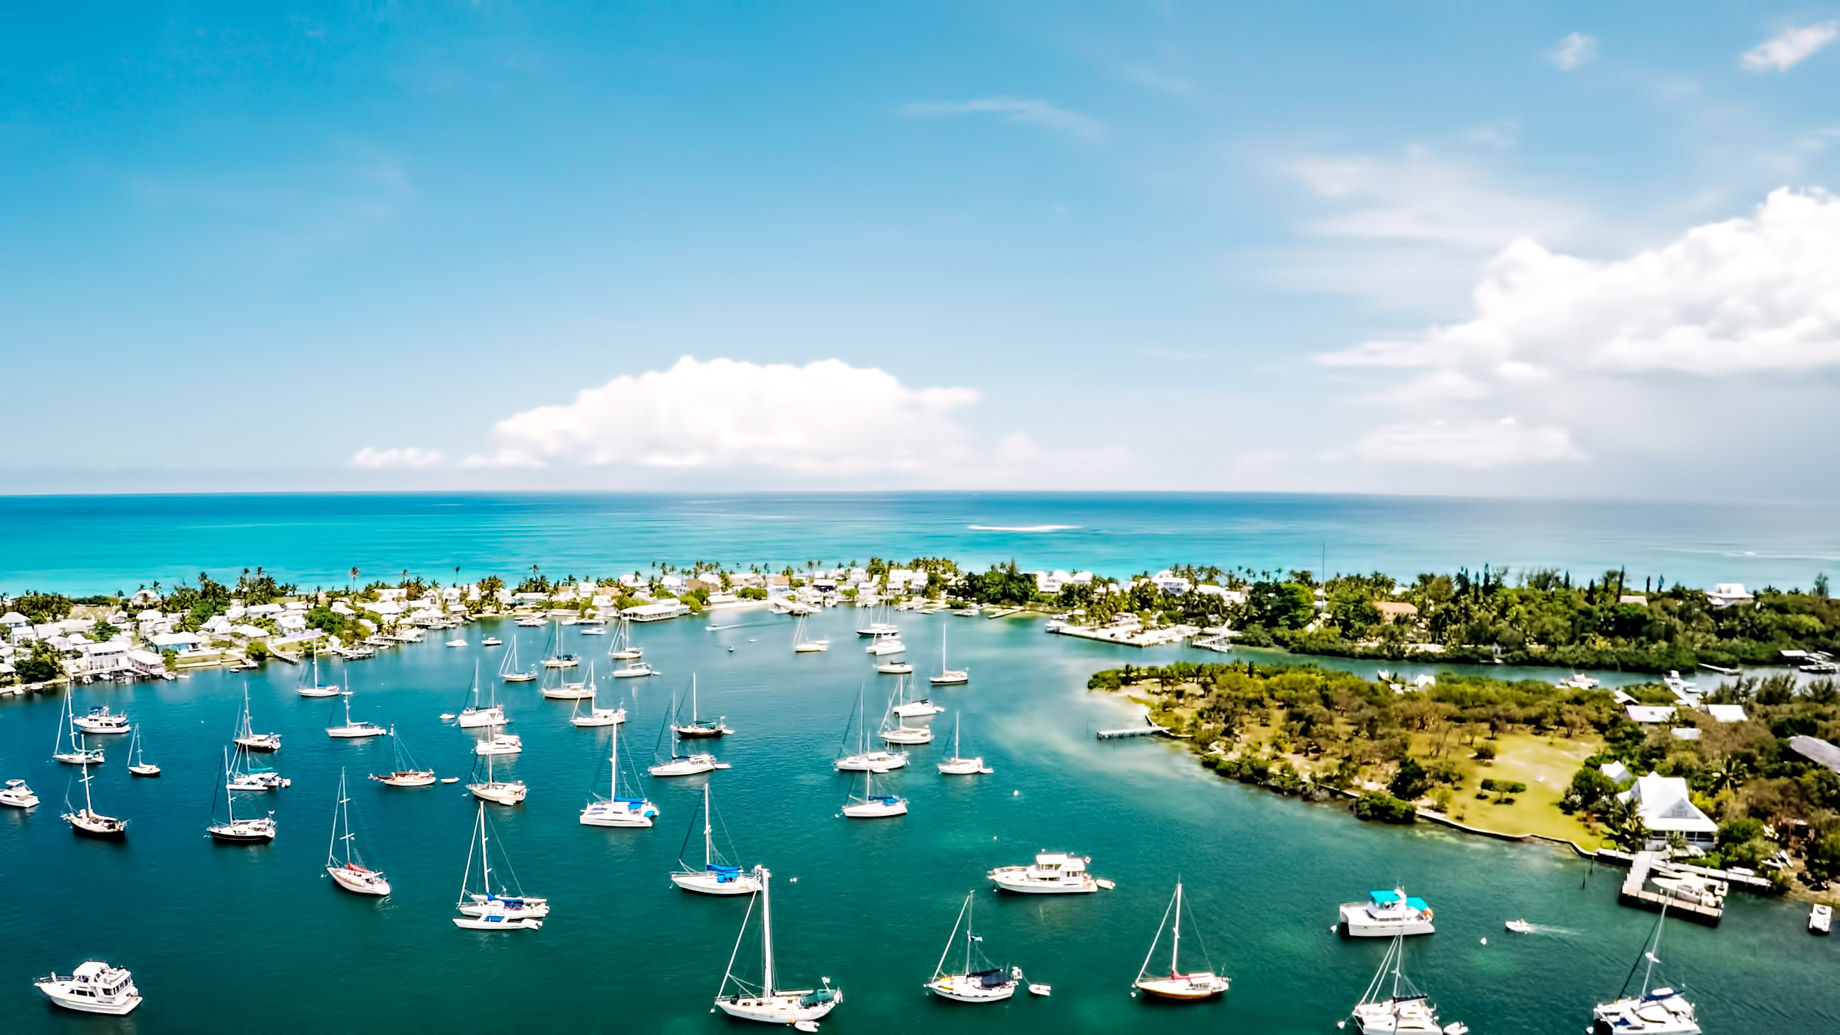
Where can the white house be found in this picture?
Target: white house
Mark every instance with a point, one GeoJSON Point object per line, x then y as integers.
{"type": "Point", "coordinates": [1664, 807]}
{"type": "Point", "coordinates": [1726, 594]}
{"type": "Point", "coordinates": [1726, 712]}
{"type": "Point", "coordinates": [656, 612]}
{"type": "Point", "coordinates": [1171, 583]}
{"type": "Point", "coordinates": [1649, 714]}
{"type": "Point", "coordinates": [1618, 773]}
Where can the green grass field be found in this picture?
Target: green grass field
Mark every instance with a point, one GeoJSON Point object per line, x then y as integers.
{"type": "Point", "coordinates": [1546, 767]}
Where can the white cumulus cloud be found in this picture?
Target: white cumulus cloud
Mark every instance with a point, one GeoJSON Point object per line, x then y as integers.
{"type": "Point", "coordinates": [402, 456]}
{"type": "Point", "coordinates": [1790, 48]}
{"type": "Point", "coordinates": [823, 418]}
{"type": "Point", "coordinates": [1471, 443]}
{"type": "Point", "coordinates": [1028, 111]}
{"type": "Point", "coordinates": [1574, 50]}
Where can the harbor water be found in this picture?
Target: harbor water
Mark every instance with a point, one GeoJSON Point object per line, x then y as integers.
{"type": "Point", "coordinates": [232, 938]}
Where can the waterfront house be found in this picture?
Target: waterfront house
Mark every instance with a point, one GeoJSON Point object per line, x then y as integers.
{"type": "Point", "coordinates": [1396, 611]}
{"type": "Point", "coordinates": [1726, 712]}
{"type": "Point", "coordinates": [1664, 807]}
{"type": "Point", "coordinates": [1171, 583]}
{"type": "Point", "coordinates": [1650, 714]}
{"type": "Point", "coordinates": [1727, 594]}
{"type": "Point", "coordinates": [657, 612]}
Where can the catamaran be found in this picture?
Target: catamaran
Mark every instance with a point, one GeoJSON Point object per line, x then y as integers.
{"type": "Point", "coordinates": [499, 744]}
{"type": "Point", "coordinates": [595, 715]}
{"type": "Point", "coordinates": [1052, 873]}
{"type": "Point", "coordinates": [565, 690]}
{"type": "Point", "coordinates": [246, 736]}
{"type": "Point", "coordinates": [884, 645]}
{"type": "Point", "coordinates": [870, 805]}
{"type": "Point", "coordinates": [473, 716]}
{"type": "Point", "coordinates": [623, 648]}
{"type": "Point", "coordinates": [342, 861]}
{"type": "Point", "coordinates": [698, 728]}
{"type": "Point", "coordinates": [766, 1002]}
{"type": "Point", "coordinates": [490, 909]}
{"type": "Point", "coordinates": [948, 676]}
{"type": "Point", "coordinates": [315, 688]}
{"type": "Point", "coordinates": [94, 987]}
{"type": "Point", "coordinates": [494, 790]}
{"type": "Point", "coordinates": [1655, 1011]}
{"type": "Point", "coordinates": [614, 810]}
{"type": "Point", "coordinates": [87, 822]}
{"type": "Point", "coordinates": [237, 831]}
{"type": "Point", "coordinates": [1193, 985]}
{"type": "Point", "coordinates": [879, 760]}
{"type": "Point", "coordinates": [802, 645]}
{"type": "Point", "coordinates": [1385, 914]}
{"type": "Point", "coordinates": [99, 721]}
{"type": "Point", "coordinates": [508, 669]}
{"type": "Point", "coordinates": [1399, 1008]}
{"type": "Point", "coordinates": [405, 773]}
{"type": "Point", "coordinates": [360, 730]}
{"type": "Point", "coordinates": [718, 876]}
{"type": "Point", "coordinates": [77, 752]}
{"type": "Point", "coordinates": [137, 762]}
{"type": "Point", "coordinates": [976, 979]}
{"type": "Point", "coordinates": [959, 764]}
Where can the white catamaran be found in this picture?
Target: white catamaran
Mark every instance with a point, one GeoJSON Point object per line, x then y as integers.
{"type": "Point", "coordinates": [1385, 914]}
{"type": "Point", "coordinates": [718, 876]}
{"type": "Point", "coordinates": [1392, 1005]}
{"type": "Point", "coordinates": [766, 1001]}
{"type": "Point", "coordinates": [342, 861]}
{"type": "Point", "coordinates": [976, 979]}
{"type": "Point", "coordinates": [615, 810]}
{"type": "Point", "coordinates": [1192, 985]}
{"type": "Point", "coordinates": [490, 909]}
{"type": "Point", "coordinates": [1660, 1011]}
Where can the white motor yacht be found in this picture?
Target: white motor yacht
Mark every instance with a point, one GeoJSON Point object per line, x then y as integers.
{"type": "Point", "coordinates": [94, 987]}
{"type": "Point", "coordinates": [975, 979]}
{"type": "Point", "coordinates": [499, 744]}
{"type": "Point", "coordinates": [18, 795]}
{"type": "Point", "coordinates": [766, 1001]}
{"type": "Point", "coordinates": [101, 722]}
{"type": "Point", "coordinates": [458, 641]}
{"type": "Point", "coordinates": [1385, 914]}
{"type": "Point", "coordinates": [1052, 873]}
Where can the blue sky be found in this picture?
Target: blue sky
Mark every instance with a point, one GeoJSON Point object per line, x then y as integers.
{"type": "Point", "coordinates": [1455, 248]}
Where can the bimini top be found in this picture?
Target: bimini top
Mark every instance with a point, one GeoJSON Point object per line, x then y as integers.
{"type": "Point", "coordinates": [1392, 899]}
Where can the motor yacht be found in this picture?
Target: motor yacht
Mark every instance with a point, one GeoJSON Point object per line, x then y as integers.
{"type": "Point", "coordinates": [94, 987]}
{"type": "Point", "coordinates": [1052, 873]}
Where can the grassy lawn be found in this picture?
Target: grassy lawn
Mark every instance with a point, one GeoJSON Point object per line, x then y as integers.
{"type": "Point", "coordinates": [1546, 767]}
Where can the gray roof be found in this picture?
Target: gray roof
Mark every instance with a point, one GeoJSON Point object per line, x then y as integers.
{"type": "Point", "coordinates": [1814, 749]}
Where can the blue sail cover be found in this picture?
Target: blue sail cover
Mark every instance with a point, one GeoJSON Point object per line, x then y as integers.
{"type": "Point", "coordinates": [885, 799]}
{"type": "Point", "coordinates": [992, 978]}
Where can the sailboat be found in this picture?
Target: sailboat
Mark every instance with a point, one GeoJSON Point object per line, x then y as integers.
{"type": "Point", "coordinates": [801, 645]}
{"type": "Point", "coordinates": [976, 980]}
{"type": "Point", "coordinates": [885, 644]}
{"type": "Point", "coordinates": [78, 752]}
{"type": "Point", "coordinates": [245, 775]}
{"type": "Point", "coordinates": [556, 658]}
{"type": "Point", "coordinates": [567, 691]}
{"type": "Point", "coordinates": [878, 627]}
{"type": "Point", "coordinates": [680, 764]}
{"type": "Point", "coordinates": [494, 790]}
{"type": "Point", "coordinates": [635, 670]}
{"type": "Point", "coordinates": [342, 862]}
{"type": "Point", "coordinates": [623, 648]}
{"type": "Point", "coordinates": [489, 909]}
{"type": "Point", "coordinates": [137, 763]}
{"type": "Point", "coordinates": [696, 727]}
{"type": "Point", "coordinates": [960, 765]}
{"type": "Point", "coordinates": [360, 730]}
{"type": "Point", "coordinates": [905, 708]}
{"type": "Point", "coordinates": [870, 805]}
{"type": "Point", "coordinates": [879, 760]}
{"type": "Point", "coordinates": [316, 688]}
{"type": "Point", "coordinates": [474, 717]}
{"type": "Point", "coordinates": [596, 715]}
{"type": "Point", "coordinates": [613, 810]}
{"type": "Point", "coordinates": [717, 877]}
{"type": "Point", "coordinates": [766, 1002]}
{"type": "Point", "coordinates": [1200, 984]}
{"type": "Point", "coordinates": [237, 831]}
{"type": "Point", "coordinates": [87, 822]}
{"type": "Point", "coordinates": [901, 732]}
{"type": "Point", "coordinates": [1398, 1007]}
{"type": "Point", "coordinates": [948, 676]}
{"type": "Point", "coordinates": [1662, 1011]}
{"type": "Point", "coordinates": [508, 669]}
{"type": "Point", "coordinates": [894, 667]}
{"type": "Point", "coordinates": [405, 773]}
{"type": "Point", "coordinates": [247, 738]}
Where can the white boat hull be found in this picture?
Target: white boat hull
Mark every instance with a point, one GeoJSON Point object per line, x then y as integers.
{"type": "Point", "coordinates": [499, 793]}
{"type": "Point", "coordinates": [873, 762]}
{"type": "Point", "coordinates": [876, 809]}
{"type": "Point", "coordinates": [514, 908]}
{"type": "Point", "coordinates": [498, 923]}
{"type": "Point", "coordinates": [91, 757]}
{"type": "Point", "coordinates": [962, 989]}
{"type": "Point", "coordinates": [634, 672]}
{"type": "Point", "coordinates": [568, 693]}
{"type": "Point", "coordinates": [618, 814]}
{"type": "Point", "coordinates": [908, 735]}
{"type": "Point", "coordinates": [520, 677]}
{"type": "Point", "coordinates": [359, 881]}
{"type": "Point", "coordinates": [913, 708]}
{"type": "Point", "coordinates": [60, 992]}
{"type": "Point", "coordinates": [784, 1008]}
{"type": "Point", "coordinates": [950, 679]}
{"type": "Point", "coordinates": [710, 884]}
{"type": "Point", "coordinates": [407, 778]}
{"type": "Point", "coordinates": [687, 766]}
{"type": "Point", "coordinates": [811, 647]}
{"type": "Point", "coordinates": [102, 730]}
{"type": "Point", "coordinates": [318, 691]}
{"type": "Point", "coordinates": [470, 720]}
{"type": "Point", "coordinates": [19, 799]}
{"type": "Point", "coordinates": [355, 732]}
{"type": "Point", "coordinates": [964, 767]}
{"type": "Point", "coordinates": [1656, 1014]}
{"type": "Point", "coordinates": [1411, 1018]}
{"type": "Point", "coordinates": [600, 717]}
{"type": "Point", "coordinates": [1184, 987]}
{"type": "Point", "coordinates": [895, 668]}
{"type": "Point", "coordinates": [1357, 922]}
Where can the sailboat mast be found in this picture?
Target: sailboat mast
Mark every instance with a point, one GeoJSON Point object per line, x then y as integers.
{"type": "Point", "coordinates": [766, 936]}
{"type": "Point", "coordinates": [709, 848]}
{"type": "Point", "coordinates": [332, 845]}
{"type": "Point", "coordinates": [485, 857]}
{"type": "Point", "coordinates": [1175, 941]}
{"type": "Point", "coordinates": [613, 763]}
{"type": "Point", "coordinates": [970, 906]}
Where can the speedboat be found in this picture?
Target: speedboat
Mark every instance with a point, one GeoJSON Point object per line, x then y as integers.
{"type": "Point", "coordinates": [894, 668]}
{"type": "Point", "coordinates": [1687, 887]}
{"type": "Point", "coordinates": [1052, 873]}
{"type": "Point", "coordinates": [94, 987]}
{"type": "Point", "coordinates": [18, 795]}
{"type": "Point", "coordinates": [101, 721]}
{"type": "Point", "coordinates": [1820, 918]}
{"type": "Point", "coordinates": [1385, 914]}
{"type": "Point", "coordinates": [920, 707]}
{"type": "Point", "coordinates": [491, 641]}
{"type": "Point", "coordinates": [458, 641]}
{"type": "Point", "coordinates": [1519, 926]}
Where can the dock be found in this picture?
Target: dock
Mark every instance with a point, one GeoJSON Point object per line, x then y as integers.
{"type": "Point", "coordinates": [291, 658]}
{"type": "Point", "coordinates": [1147, 729]}
{"type": "Point", "coordinates": [1636, 893]}
{"type": "Point", "coordinates": [1222, 642]}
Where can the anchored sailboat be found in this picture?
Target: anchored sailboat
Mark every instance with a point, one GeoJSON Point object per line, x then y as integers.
{"type": "Point", "coordinates": [863, 759]}
{"type": "Point", "coordinates": [247, 738]}
{"type": "Point", "coordinates": [698, 727]}
{"type": "Point", "coordinates": [69, 747]}
{"type": "Point", "coordinates": [342, 861]}
{"type": "Point", "coordinates": [473, 716]}
{"type": "Point", "coordinates": [595, 715]}
{"type": "Point", "coordinates": [405, 773]}
{"type": "Point", "coordinates": [1398, 1008]}
{"type": "Point", "coordinates": [623, 648]}
{"type": "Point", "coordinates": [766, 1002]}
{"type": "Point", "coordinates": [718, 876]}
{"type": "Point", "coordinates": [948, 676]}
{"type": "Point", "coordinates": [490, 909]}
{"type": "Point", "coordinates": [360, 730]}
{"type": "Point", "coordinates": [870, 805]}
{"type": "Point", "coordinates": [313, 687]}
{"type": "Point", "coordinates": [566, 690]}
{"type": "Point", "coordinates": [959, 764]}
{"type": "Point", "coordinates": [87, 822]}
{"type": "Point", "coordinates": [901, 732]}
{"type": "Point", "coordinates": [246, 775]}
{"type": "Point", "coordinates": [494, 790]}
{"type": "Point", "coordinates": [1199, 984]}
{"type": "Point", "coordinates": [614, 810]}
{"type": "Point", "coordinates": [556, 657]}
{"type": "Point", "coordinates": [905, 708]}
{"type": "Point", "coordinates": [137, 762]}
{"type": "Point", "coordinates": [237, 831]}
{"type": "Point", "coordinates": [508, 669]}
{"type": "Point", "coordinates": [802, 645]}
{"type": "Point", "coordinates": [680, 763]}
{"type": "Point", "coordinates": [1663, 1011]}
{"type": "Point", "coordinates": [976, 979]}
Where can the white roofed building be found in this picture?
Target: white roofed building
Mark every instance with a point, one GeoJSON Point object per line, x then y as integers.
{"type": "Point", "coordinates": [1665, 807]}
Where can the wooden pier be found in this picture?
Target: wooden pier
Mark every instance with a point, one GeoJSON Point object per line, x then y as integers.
{"type": "Point", "coordinates": [1635, 892]}
{"type": "Point", "coordinates": [1148, 729]}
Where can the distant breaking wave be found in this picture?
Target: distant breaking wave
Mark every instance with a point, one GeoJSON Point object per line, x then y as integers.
{"type": "Point", "coordinates": [1022, 528]}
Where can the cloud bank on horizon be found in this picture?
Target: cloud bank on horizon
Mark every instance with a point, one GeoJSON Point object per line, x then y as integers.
{"type": "Point", "coordinates": [1047, 247]}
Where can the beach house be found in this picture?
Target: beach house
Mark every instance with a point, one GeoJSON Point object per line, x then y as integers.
{"type": "Point", "coordinates": [1728, 594]}
{"type": "Point", "coordinates": [1664, 807]}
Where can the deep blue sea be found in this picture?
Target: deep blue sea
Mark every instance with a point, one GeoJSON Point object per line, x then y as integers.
{"type": "Point", "coordinates": [98, 544]}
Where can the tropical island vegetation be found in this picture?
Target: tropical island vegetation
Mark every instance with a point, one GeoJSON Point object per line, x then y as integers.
{"type": "Point", "coordinates": [1521, 757]}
